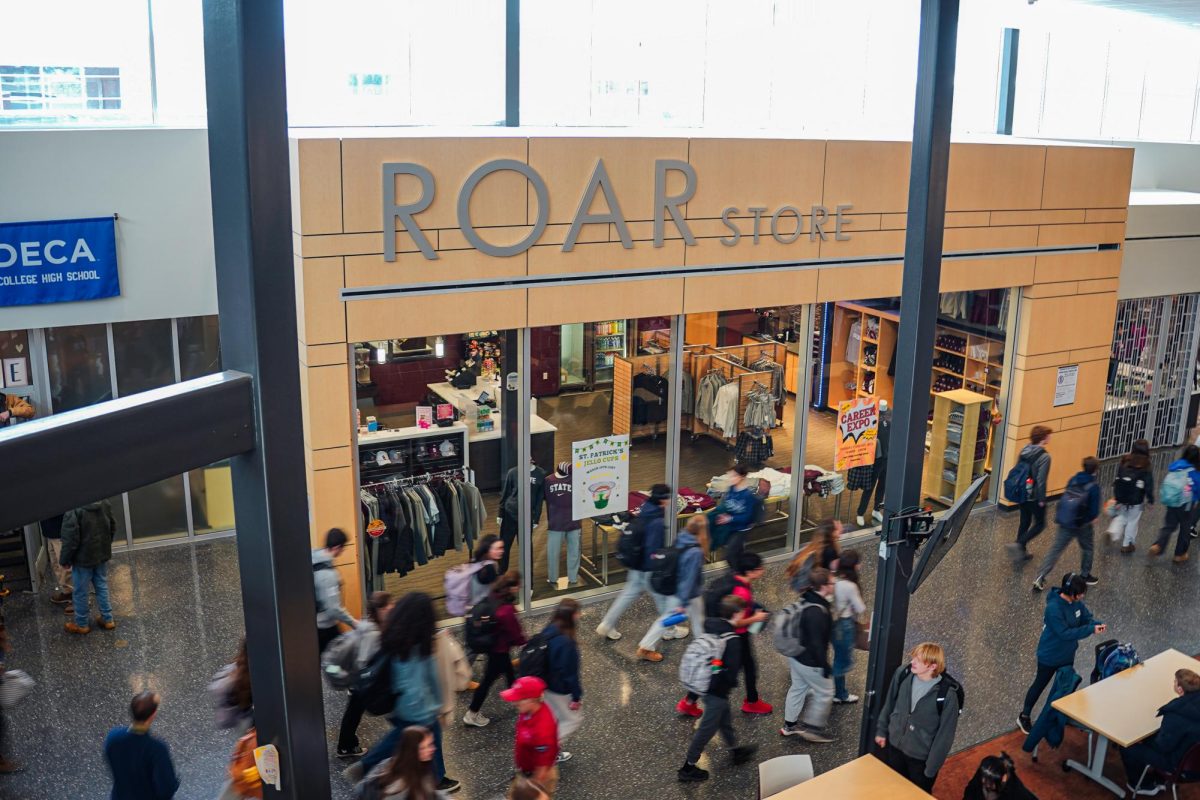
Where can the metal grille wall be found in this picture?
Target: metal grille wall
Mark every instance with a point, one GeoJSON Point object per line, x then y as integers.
{"type": "Point", "coordinates": [1150, 373]}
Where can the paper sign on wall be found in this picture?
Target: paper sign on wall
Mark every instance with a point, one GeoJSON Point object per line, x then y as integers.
{"type": "Point", "coordinates": [1064, 387]}
{"type": "Point", "coordinates": [16, 372]}
{"type": "Point", "coordinates": [600, 476]}
{"type": "Point", "coordinates": [857, 425]}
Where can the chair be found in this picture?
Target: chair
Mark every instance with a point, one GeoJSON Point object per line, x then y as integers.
{"type": "Point", "coordinates": [1187, 771]}
{"type": "Point", "coordinates": [783, 772]}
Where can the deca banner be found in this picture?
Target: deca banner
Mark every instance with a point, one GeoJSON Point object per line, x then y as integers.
{"type": "Point", "coordinates": [600, 476]}
{"type": "Point", "coordinates": [858, 425]}
{"type": "Point", "coordinates": [58, 261]}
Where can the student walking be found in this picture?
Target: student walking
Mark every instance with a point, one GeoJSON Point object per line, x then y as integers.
{"type": "Point", "coordinates": [1065, 622]}
{"type": "Point", "coordinates": [750, 569]}
{"type": "Point", "coordinates": [139, 762]}
{"type": "Point", "coordinates": [489, 552]}
{"type": "Point", "coordinates": [822, 550]}
{"type": "Point", "coordinates": [1179, 491]}
{"type": "Point", "coordinates": [1035, 460]}
{"type": "Point", "coordinates": [916, 726]}
{"type": "Point", "coordinates": [646, 535]}
{"type": "Point", "coordinates": [362, 645]}
{"type": "Point", "coordinates": [722, 676]}
{"type": "Point", "coordinates": [560, 518]}
{"type": "Point", "coordinates": [848, 607]}
{"type": "Point", "coordinates": [408, 773]}
{"type": "Point", "coordinates": [1077, 509]}
{"type": "Point", "coordinates": [87, 537]}
{"type": "Point", "coordinates": [1133, 489]}
{"type": "Point", "coordinates": [736, 513]}
{"type": "Point", "coordinates": [328, 586]}
{"type": "Point", "coordinates": [691, 545]}
{"type": "Point", "coordinates": [564, 690]}
{"type": "Point", "coordinates": [810, 697]}
{"type": "Point", "coordinates": [506, 634]}
{"type": "Point", "coordinates": [535, 749]}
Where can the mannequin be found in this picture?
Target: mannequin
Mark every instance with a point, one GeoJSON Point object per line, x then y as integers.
{"type": "Point", "coordinates": [560, 513]}
{"type": "Point", "coordinates": [879, 468]}
{"type": "Point", "coordinates": [509, 507]}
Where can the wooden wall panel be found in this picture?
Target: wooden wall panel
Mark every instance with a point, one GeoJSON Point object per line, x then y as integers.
{"type": "Point", "coordinates": [700, 328]}
{"type": "Point", "coordinates": [959, 240]}
{"type": "Point", "coordinates": [325, 355]}
{"type": "Point", "coordinates": [858, 283]}
{"type": "Point", "coordinates": [412, 268]}
{"type": "Point", "coordinates": [873, 176]}
{"type": "Point", "coordinates": [1052, 324]}
{"type": "Point", "coordinates": [324, 312]}
{"type": "Point", "coordinates": [604, 257]}
{"type": "Point", "coordinates": [755, 172]}
{"type": "Point", "coordinates": [436, 315]}
{"type": "Point", "coordinates": [983, 177]}
{"type": "Point", "coordinates": [1077, 266]}
{"type": "Point", "coordinates": [358, 244]}
{"type": "Point", "coordinates": [1087, 177]}
{"type": "Point", "coordinates": [711, 251]}
{"type": "Point", "coordinates": [722, 292]}
{"type": "Point", "coordinates": [986, 273]}
{"type": "Point", "coordinates": [1093, 233]}
{"type": "Point", "coordinates": [331, 458]}
{"type": "Point", "coordinates": [867, 243]}
{"type": "Point", "coordinates": [329, 406]}
{"type": "Point", "coordinates": [1033, 393]}
{"type": "Point", "coordinates": [560, 305]}
{"type": "Point", "coordinates": [316, 173]}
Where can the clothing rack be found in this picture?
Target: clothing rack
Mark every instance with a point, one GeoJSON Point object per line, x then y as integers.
{"type": "Point", "coordinates": [410, 480]}
{"type": "Point", "coordinates": [625, 370]}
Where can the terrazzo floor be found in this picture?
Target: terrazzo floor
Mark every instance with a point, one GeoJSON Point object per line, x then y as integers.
{"type": "Point", "coordinates": [179, 618]}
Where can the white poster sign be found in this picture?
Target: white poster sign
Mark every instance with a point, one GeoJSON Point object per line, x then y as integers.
{"type": "Point", "coordinates": [1064, 387]}
{"type": "Point", "coordinates": [600, 476]}
{"type": "Point", "coordinates": [16, 373]}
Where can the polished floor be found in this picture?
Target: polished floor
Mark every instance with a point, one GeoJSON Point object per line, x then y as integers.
{"type": "Point", "coordinates": [179, 618]}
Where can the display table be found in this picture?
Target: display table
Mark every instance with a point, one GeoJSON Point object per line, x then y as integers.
{"type": "Point", "coordinates": [485, 445]}
{"type": "Point", "coordinates": [1123, 709]}
{"type": "Point", "coordinates": [864, 778]}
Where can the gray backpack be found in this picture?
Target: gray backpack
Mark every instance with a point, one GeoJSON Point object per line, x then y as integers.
{"type": "Point", "coordinates": [785, 629]}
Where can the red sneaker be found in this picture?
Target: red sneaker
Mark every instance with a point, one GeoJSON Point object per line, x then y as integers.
{"type": "Point", "coordinates": [689, 709]}
{"type": "Point", "coordinates": [757, 707]}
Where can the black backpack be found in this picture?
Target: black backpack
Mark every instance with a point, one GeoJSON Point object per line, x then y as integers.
{"type": "Point", "coordinates": [534, 658]}
{"type": "Point", "coordinates": [631, 545]}
{"type": "Point", "coordinates": [373, 685]}
{"type": "Point", "coordinates": [946, 685]}
{"type": "Point", "coordinates": [1072, 511]}
{"type": "Point", "coordinates": [716, 592]}
{"type": "Point", "coordinates": [481, 626]}
{"type": "Point", "coordinates": [1129, 488]}
{"type": "Point", "coordinates": [664, 569]}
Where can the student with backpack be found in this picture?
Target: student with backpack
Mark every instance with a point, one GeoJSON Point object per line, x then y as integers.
{"type": "Point", "coordinates": [345, 657]}
{"type": "Point", "coordinates": [710, 668]}
{"type": "Point", "coordinates": [916, 726]}
{"type": "Point", "coordinates": [1180, 490]}
{"type": "Point", "coordinates": [680, 581]}
{"type": "Point", "coordinates": [748, 571]}
{"type": "Point", "coordinates": [331, 614]}
{"type": "Point", "coordinates": [1025, 485]}
{"type": "Point", "coordinates": [493, 628]}
{"type": "Point", "coordinates": [553, 656]}
{"type": "Point", "coordinates": [1077, 509]}
{"type": "Point", "coordinates": [802, 633]}
{"type": "Point", "coordinates": [636, 549]}
{"type": "Point", "coordinates": [1133, 489]}
{"type": "Point", "coordinates": [848, 607]}
{"type": "Point", "coordinates": [821, 551]}
{"type": "Point", "coordinates": [1065, 622]}
{"type": "Point", "coordinates": [467, 584]}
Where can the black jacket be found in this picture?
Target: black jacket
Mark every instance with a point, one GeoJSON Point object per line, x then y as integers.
{"type": "Point", "coordinates": [1013, 789]}
{"type": "Point", "coordinates": [537, 494]}
{"type": "Point", "coordinates": [563, 677]}
{"type": "Point", "coordinates": [731, 663]}
{"type": "Point", "coordinates": [816, 629]}
{"type": "Point", "coordinates": [1180, 728]}
{"type": "Point", "coordinates": [87, 535]}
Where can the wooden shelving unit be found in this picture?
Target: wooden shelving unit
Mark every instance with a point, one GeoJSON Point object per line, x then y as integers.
{"type": "Point", "coordinates": [959, 443]}
{"type": "Point", "coordinates": [876, 346]}
{"type": "Point", "coordinates": [972, 362]}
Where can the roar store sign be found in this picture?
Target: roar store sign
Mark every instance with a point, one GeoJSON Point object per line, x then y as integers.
{"type": "Point", "coordinates": [58, 261]}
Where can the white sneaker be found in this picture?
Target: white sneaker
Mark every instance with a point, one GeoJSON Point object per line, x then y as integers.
{"type": "Point", "coordinates": [475, 719]}
{"type": "Point", "coordinates": [668, 633]}
{"type": "Point", "coordinates": [862, 523]}
{"type": "Point", "coordinates": [681, 632]}
{"type": "Point", "coordinates": [850, 698]}
{"type": "Point", "coordinates": [877, 516]}
{"type": "Point", "coordinates": [563, 755]}
{"type": "Point", "coordinates": [607, 632]}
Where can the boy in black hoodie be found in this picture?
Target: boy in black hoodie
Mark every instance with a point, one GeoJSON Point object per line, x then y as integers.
{"type": "Point", "coordinates": [1179, 731]}
{"type": "Point", "coordinates": [717, 716]}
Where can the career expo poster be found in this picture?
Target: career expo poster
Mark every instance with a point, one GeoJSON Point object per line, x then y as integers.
{"type": "Point", "coordinates": [600, 476]}
{"type": "Point", "coordinates": [857, 425]}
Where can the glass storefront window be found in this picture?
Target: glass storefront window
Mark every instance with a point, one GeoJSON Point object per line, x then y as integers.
{"type": "Point", "coordinates": [78, 361]}
{"type": "Point", "coordinates": [144, 357]}
{"type": "Point", "coordinates": [199, 347]}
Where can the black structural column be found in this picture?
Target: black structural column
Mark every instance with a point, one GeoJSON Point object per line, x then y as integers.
{"type": "Point", "coordinates": [1006, 97]}
{"type": "Point", "coordinates": [248, 160]}
{"type": "Point", "coordinates": [512, 63]}
{"type": "Point", "coordinates": [918, 318]}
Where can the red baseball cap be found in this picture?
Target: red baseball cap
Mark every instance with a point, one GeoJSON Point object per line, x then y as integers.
{"type": "Point", "coordinates": [526, 688]}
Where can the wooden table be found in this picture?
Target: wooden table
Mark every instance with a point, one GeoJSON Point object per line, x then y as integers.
{"type": "Point", "coordinates": [1123, 709]}
{"type": "Point", "coordinates": [864, 778]}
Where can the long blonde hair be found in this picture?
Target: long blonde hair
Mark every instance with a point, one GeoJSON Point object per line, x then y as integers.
{"type": "Point", "coordinates": [822, 537]}
{"type": "Point", "coordinates": [697, 525]}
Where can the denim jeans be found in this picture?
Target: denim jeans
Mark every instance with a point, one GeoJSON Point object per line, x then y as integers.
{"type": "Point", "coordinates": [554, 542]}
{"type": "Point", "coordinates": [1180, 518]}
{"type": "Point", "coordinates": [636, 582]}
{"type": "Point", "coordinates": [386, 747]}
{"type": "Point", "coordinates": [1124, 524]}
{"type": "Point", "coordinates": [83, 577]}
{"type": "Point", "coordinates": [844, 633]}
{"type": "Point", "coordinates": [695, 612]}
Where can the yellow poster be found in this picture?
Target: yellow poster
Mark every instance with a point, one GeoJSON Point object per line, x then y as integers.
{"type": "Point", "coordinates": [857, 426]}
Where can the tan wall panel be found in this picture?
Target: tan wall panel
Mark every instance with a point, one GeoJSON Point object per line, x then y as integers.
{"type": "Point", "coordinates": [1052, 324]}
{"type": "Point", "coordinates": [328, 406]}
{"type": "Point", "coordinates": [453, 239]}
{"type": "Point", "coordinates": [604, 257]}
{"type": "Point", "coordinates": [1099, 286]}
{"type": "Point", "coordinates": [1082, 420]}
{"type": "Point", "coordinates": [330, 458]}
{"type": "Point", "coordinates": [728, 292]}
{"type": "Point", "coordinates": [1061, 217]}
{"type": "Point", "coordinates": [437, 314]}
{"type": "Point", "coordinates": [357, 244]}
{"type": "Point", "coordinates": [566, 164]}
{"type": "Point", "coordinates": [1087, 177]}
{"type": "Point", "coordinates": [316, 166]}
{"type": "Point", "coordinates": [1051, 289]}
{"type": "Point", "coordinates": [858, 283]}
{"type": "Point", "coordinates": [1094, 233]}
{"type": "Point", "coordinates": [1078, 266]}
{"type": "Point", "coordinates": [351, 586]}
{"type": "Point", "coordinates": [325, 355]}
{"type": "Point", "coordinates": [954, 219]}
{"type": "Point", "coordinates": [324, 313]}
{"type": "Point", "coordinates": [1067, 449]}
{"type": "Point", "coordinates": [986, 273]}
{"type": "Point", "coordinates": [866, 243]}
{"type": "Point", "coordinates": [1045, 360]}
{"type": "Point", "coordinates": [498, 200]}
{"type": "Point", "coordinates": [451, 265]}
{"type": "Point", "coordinates": [1090, 354]}
{"type": "Point", "coordinates": [711, 251]}
{"type": "Point", "coordinates": [333, 504]}
{"type": "Point", "coordinates": [873, 176]}
{"type": "Point", "coordinates": [1033, 393]}
{"type": "Point", "coordinates": [700, 328]}
{"type": "Point", "coordinates": [558, 305]}
{"type": "Point", "coordinates": [988, 176]}
{"type": "Point", "coordinates": [755, 172]}
{"type": "Point", "coordinates": [1106, 215]}
{"type": "Point", "coordinates": [967, 239]}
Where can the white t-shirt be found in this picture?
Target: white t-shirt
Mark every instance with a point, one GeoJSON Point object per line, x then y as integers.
{"type": "Point", "coordinates": [847, 599]}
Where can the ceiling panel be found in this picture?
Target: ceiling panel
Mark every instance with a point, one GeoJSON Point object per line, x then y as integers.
{"type": "Point", "coordinates": [1186, 12]}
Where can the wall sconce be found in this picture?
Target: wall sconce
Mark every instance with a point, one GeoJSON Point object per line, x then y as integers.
{"type": "Point", "coordinates": [439, 347]}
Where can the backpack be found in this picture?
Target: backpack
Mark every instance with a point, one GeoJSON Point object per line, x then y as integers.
{"type": "Point", "coordinates": [534, 658]}
{"type": "Point", "coordinates": [457, 583]}
{"type": "Point", "coordinates": [373, 685]}
{"type": "Point", "coordinates": [1118, 658]}
{"type": "Point", "coordinates": [664, 570]}
{"type": "Point", "coordinates": [702, 660]}
{"type": "Point", "coordinates": [631, 545]}
{"type": "Point", "coordinates": [947, 684]}
{"type": "Point", "coordinates": [1102, 650]}
{"type": "Point", "coordinates": [785, 629]}
{"type": "Point", "coordinates": [717, 591]}
{"type": "Point", "coordinates": [321, 566]}
{"type": "Point", "coordinates": [481, 626]}
{"type": "Point", "coordinates": [339, 661]}
{"type": "Point", "coordinates": [1019, 482]}
{"type": "Point", "coordinates": [1072, 508]}
{"type": "Point", "coordinates": [1129, 488]}
{"type": "Point", "coordinates": [1176, 490]}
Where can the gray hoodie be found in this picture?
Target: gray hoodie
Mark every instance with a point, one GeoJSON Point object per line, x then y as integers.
{"type": "Point", "coordinates": [328, 585]}
{"type": "Point", "coordinates": [1040, 467]}
{"type": "Point", "coordinates": [920, 732]}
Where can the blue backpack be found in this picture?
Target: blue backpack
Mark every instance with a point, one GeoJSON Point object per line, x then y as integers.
{"type": "Point", "coordinates": [1176, 490]}
{"type": "Point", "coordinates": [1072, 509]}
{"type": "Point", "coordinates": [1116, 658]}
{"type": "Point", "coordinates": [1018, 484]}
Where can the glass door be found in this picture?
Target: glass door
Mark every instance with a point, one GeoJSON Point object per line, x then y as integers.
{"type": "Point", "coordinates": [571, 354]}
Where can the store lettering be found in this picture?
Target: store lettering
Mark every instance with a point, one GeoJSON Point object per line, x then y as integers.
{"type": "Point", "coordinates": [399, 216]}
{"type": "Point", "coordinates": [36, 254]}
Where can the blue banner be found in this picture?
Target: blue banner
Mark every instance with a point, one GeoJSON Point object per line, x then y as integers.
{"type": "Point", "coordinates": [58, 261]}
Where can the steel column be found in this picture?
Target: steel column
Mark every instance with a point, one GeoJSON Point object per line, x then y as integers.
{"type": "Point", "coordinates": [918, 319]}
{"type": "Point", "coordinates": [251, 201]}
{"type": "Point", "coordinates": [1006, 96]}
{"type": "Point", "coordinates": [674, 414]}
{"type": "Point", "coordinates": [512, 63]}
